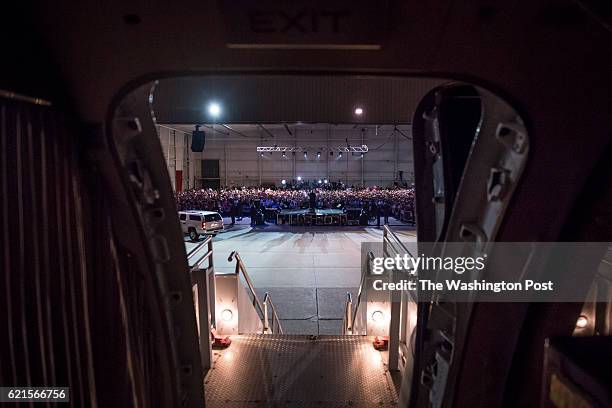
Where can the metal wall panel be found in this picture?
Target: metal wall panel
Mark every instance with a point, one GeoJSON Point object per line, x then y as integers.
{"type": "Point", "coordinates": [45, 313]}
{"type": "Point", "coordinates": [74, 311]}
{"type": "Point", "coordinates": [389, 153]}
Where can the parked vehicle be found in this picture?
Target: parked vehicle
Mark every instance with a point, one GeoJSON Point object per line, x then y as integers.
{"type": "Point", "coordinates": [194, 223]}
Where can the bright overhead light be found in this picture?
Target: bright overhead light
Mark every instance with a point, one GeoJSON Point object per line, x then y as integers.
{"type": "Point", "coordinates": [283, 182]}
{"type": "Point", "coordinates": [214, 109]}
{"type": "Point", "coordinates": [358, 111]}
{"type": "Point", "coordinates": [299, 178]}
{"type": "Point", "coordinates": [318, 155]}
{"type": "Point", "coordinates": [325, 181]}
{"type": "Point", "coordinates": [320, 181]}
{"type": "Point", "coordinates": [340, 155]}
{"type": "Point", "coordinates": [284, 154]}
{"type": "Point", "coordinates": [305, 155]}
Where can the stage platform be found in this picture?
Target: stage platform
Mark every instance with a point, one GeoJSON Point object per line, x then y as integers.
{"type": "Point", "coordinates": [318, 212]}
{"type": "Point", "coordinates": [318, 217]}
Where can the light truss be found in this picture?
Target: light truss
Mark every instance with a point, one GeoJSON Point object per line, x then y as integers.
{"type": "Point", "coordinates": [345, 149]}
{"type": "Point", "coordinates": [279, 149]}
{"type": "Point", "coordinates": [351, 149]}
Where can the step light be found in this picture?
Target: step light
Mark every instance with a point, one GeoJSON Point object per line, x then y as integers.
{"type": "Point", "coordinates": [378, 316]}
{"type": "Point", "coordinates": [227, 315]}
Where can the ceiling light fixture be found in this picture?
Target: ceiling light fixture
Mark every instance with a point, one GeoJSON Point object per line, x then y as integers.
{"type": "Point", "coordinates": [214, 109]}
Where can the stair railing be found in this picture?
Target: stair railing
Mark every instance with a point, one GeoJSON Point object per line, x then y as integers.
{"type": "Point", "coordinates": [267, 329]}
{"type": "Point", "coordinates": [257, 304]}
{"type": "Point", "coordinates": [203, 286]}
{"type": "Point", "coordinates": [392, 246]}
{"type": "Point", "coordinates": [347, 319]}
{"type": "Point", "coordinates": [350, 312]}
{"type": "Point", "coordinates": [203, 256]}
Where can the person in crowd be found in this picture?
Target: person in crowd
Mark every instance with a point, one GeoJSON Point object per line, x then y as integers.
{"type": "Point", "coordinates": [239, 209]}
{"type": "Point", "coordinates": [387, 211]}
{"type": "Point", "coordinates": [253, 213]}
{"type": "Point", "coordinates": [313, 201]}
{"type": "Point", "coordinates": [233, 210]}
{"type": "Point", "coordinates": [375, 211]}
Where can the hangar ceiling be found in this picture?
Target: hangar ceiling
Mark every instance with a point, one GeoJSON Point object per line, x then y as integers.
{"type": "Point", "coordinates": [282, 131]}
{"type": "Point", "coordinates": [282, 98]}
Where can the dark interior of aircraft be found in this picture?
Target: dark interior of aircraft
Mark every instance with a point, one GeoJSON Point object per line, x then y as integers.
{"type": "Point", "coordinates": [305, 140]}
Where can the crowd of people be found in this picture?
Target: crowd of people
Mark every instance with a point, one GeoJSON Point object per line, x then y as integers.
{"type": "Point", "coordinates": [385, 202]}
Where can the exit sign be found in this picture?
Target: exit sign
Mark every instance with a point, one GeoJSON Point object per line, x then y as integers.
{"type": "Point", "coordinates": [301, 24]}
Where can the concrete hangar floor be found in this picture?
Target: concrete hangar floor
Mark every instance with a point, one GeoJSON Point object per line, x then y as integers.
{"type": "Point", "coordinates": [306, 270]}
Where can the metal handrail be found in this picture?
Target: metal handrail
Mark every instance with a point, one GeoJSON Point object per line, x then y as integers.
{"type": "Point", "coordinates": [267, 330]}
{"type": "Point", "coordinates": [391, 239]}
{"type": "Point", "coordinates": [353, 316]}
{"type": "Point", "coordinates": [194, 251]}
{"type": "Point", "coordinates": [241, 268]}
{"type": "Point", "coordinates": [362, 284]}
{"type": "Point", "coordinates": [205, 309]}
{"type": "Point", "coordinates": [347, 319]}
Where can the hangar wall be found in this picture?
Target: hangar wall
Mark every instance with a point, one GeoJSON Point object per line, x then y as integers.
{"type": "Point", "coordinates": [390, 152]}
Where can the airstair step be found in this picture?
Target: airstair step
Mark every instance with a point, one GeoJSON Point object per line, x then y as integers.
{"type": "Point", "coordinates": [300, 371]}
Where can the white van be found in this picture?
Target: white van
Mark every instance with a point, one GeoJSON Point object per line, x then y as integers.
{"type": "Point", "coordinates": [195, 223]}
